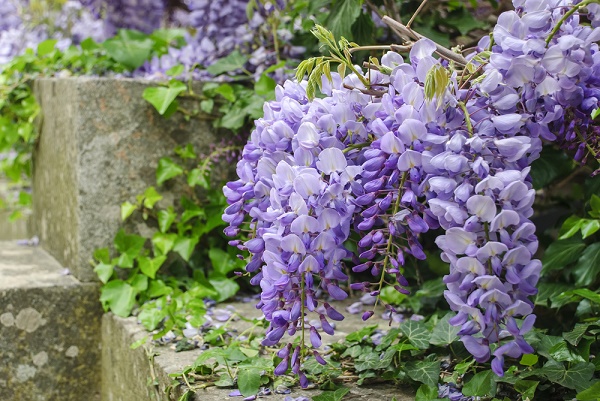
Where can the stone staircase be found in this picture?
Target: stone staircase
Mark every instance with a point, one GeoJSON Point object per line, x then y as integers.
{"type": "Point", "coordinates": [99, 146]}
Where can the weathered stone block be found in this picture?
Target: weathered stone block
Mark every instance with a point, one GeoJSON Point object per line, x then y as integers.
{"type": "Point", "coordinates": [49, 329]}
{"type": "Point", "coordinates": [99, 145]}
{"type": "Point", "coordinates": [143, 374]}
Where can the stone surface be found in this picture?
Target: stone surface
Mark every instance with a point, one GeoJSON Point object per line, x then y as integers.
{"type": "Point", "coordinates": [128, 374]}
{"type": "Point", "coordinates": [44, 316]}
{"type": "Point", "coordinates": [99, 146]}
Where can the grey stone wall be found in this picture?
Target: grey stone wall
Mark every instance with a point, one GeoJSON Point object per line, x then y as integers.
{"type": "Point", "coordinates": [49, 330]}
{"type": "Point", "coordinates": [99, 146]}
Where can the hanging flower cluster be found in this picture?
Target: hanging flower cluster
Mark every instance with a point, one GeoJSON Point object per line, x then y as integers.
{"type": "Point", "coordinates": [393, 166]}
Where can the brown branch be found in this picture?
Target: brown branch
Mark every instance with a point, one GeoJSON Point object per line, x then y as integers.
{"type": "Point", "coordinates": [441, 50]}
{"type": "Point", "coordinates": [371, 92]}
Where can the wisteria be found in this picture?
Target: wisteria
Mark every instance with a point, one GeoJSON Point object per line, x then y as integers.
{"type": "Point", "coordinates": [393, 166]}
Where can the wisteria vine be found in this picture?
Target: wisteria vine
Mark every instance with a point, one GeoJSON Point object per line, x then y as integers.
{"type": "Point", "coordinates": [411, 146]}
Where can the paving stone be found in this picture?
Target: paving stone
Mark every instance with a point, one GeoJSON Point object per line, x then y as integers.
{"type": "Point", "coordinates": [49, 329]}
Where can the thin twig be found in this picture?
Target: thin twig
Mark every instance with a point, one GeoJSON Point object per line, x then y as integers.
{"type": "Point", "coordinates": [410, 21]}
{"type": "Point", "coordinates": [371, 92]}
{"type": "Point", "coordinates": [362, 48]}
{"type": "Point", "coordinates": [401, 49]}
{"type": "Point", "coordinates": [390, 6]}
{"type": "Point", "coordinates": [370, 66]}
{"type": "Point", "coordinates": [441, 50]}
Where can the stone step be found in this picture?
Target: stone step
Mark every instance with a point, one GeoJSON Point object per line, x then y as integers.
{"type": "Point", "coordinates": [143, 373]}
{"type": "Point", "coordinates": [49, 329]}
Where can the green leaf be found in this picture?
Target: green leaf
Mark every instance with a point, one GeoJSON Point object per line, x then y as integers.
{"type": "Point", "coordinates": [226, 288]}
{"type": "Point", "coordinates": [151, 197]}
{"type": "Point", "coordinates": [360, 334]}
{"type": "Point", "coordinates": [196, 177]}
{"type": "Point", "coordinates": [118, 297]}
{"type": "Point", "coordinates": [175, 71]}
{"type": "Point", "coordinates": [163, 243]}
{"type": "Point", "coordinates": [139, 282]}
{"type": "Point", "coordinates": [186, 152]}
{"type": "Point", "coordinates": [129, 246]}
{"type": "Point", "coordinates": [367, 361]}
{"type": "Point", "coordinates": [221, 261]}
{"type": "Point", "coordinates": [130, 48]}
{"type": "Point", "coordinates": [589, 227]}
{"type": "Point", "coordinates": [570, 227]}
{"type": "Point", "coordinates": [151, 317]}
{"type": "Point", "coordinates": [552, 164]}
{"type": "Point", "coordinates": [342, 16]}
{"type": "Point", "coordinates": [427, 393]}
{"type": "Point", "coordinates": [226, 91]}
{"type": "Point", "coordinates": [150, 266]}
{"type": "Point", "coordinates": [529, 360]}
{"type": "Point", "coordinates": [562, 353]}
{"type": "Point", "coordinates": [574, 336]}
{"type": "Point", "coordinates": [526, 388]}
{"type": "Point", "coordinates": [587, 268]}
{"type": "Point", "coordinates": [576, 378]}
{"type": "Point", "coordinates": [166, 170]}
{"type": "Point", "coordinates": [426, 372]}
{"type": "Point", "coordinates": [561, 253]}
{"type": "Point", "coordinates": [336, 395]}
{"type": "Point", "coordinates": [235, 61]}
{"type": "Point", "coordinates": [589, 394]}
{"type": "Point", "coordinates": [102, 255]}
{"type": "Point", "coordinates": [46, 47]}
{"type": "Point", "coordinates": [588, 294]}
{"type": "Point", "coordinates": [265, 86]}
{"type": "Point", "coordinates": [104, 271]}
{"type": "Point", "coordinates": [162, 97]}
{"type": "Point", "coordinates": [166, 218]}
{"type": "Point", "coordinates": [595, 205]}
{"type": "Point", "coordinates": [248, 380]}
{"type": "Point", "coordinates": [480, 385]}
{"type": "Point", "coordinates": [127, 209]}
{"type": "Point", "coordinates": [416, 333]}
{"type": "Point", "coordinates": [185, 247]}
{"type": "Point", "coordinates": [444, 333]}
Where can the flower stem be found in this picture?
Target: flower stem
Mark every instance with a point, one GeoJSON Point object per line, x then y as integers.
{"type": "Point", "coordinates": [587, 145]}
{"type": "Point", "coordinates": [567, 15]}
{"type": "Point", "coordinates": [467, 118]}
{"type": "Point", "coordinates": [302, 300]}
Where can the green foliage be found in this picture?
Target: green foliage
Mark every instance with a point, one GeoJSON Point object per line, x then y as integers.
{"type": "Point", "coordinates": [166, 273]}
{"type": "Point", "coordinates": [19, 109]}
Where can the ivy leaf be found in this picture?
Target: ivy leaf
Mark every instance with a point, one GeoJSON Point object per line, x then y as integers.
{"type": "Point", "coordinates": [426, 372]}
{"type": "Point", "coordinates": [551, 164]}
{"type": "Point", "coordinates": [225, 287]}
{"type": "Point", "coordinates": [104, 271]}
{"type": "Point", "coordinates": [336, 395]}
{"type": "Point", "coordinates": [574, 336]}
{"type": "Point", "coordinates": [444, 333]}
{"type": "Point", "coordinates": [46, 47]}
{"type": "Point", "coordinates": [185, 247]}
{"type": "Point", "coordinates": [221, 261]}
{"type": "Point", "coordinates": [166, 218]}
{"type": "Point", "coordinates": [139, 282]}
{"type": "Point", "coordinates": [368, 361]}
{"type": "Point", "coordinates": [150, 266]}
{"type": "Point", "coordinates": [235, 61]}
{"type": "Point", "coordinates": [151, 317]}
{"type": "Point", "coordinates": [166, 170]}
{"type": "Point", "coordinates": [163, 97]}
{"type": "Point", "coordinates": [561, 253]}
{"type": "Point", "coordinates": [129, 246]}
{"type": "Point", "coordinates": [342, 16]}
{"type": "Point", "coordinates": [163, 243]}
{"type": "Point", "coordinates": [529, 360]}
{"type": "Point", "coordinates": [587, 268]}
{"type": "Point", "coordinates": [590, 394]}
{"type": "Point", "coordinates": [480, 385]}
{"type": "Point", "coordinates": [248, 380]}
{"type": "Point", "coordinates": [427, 393]}
{"type": "Point", "coordinates": [196, 177]}
{"type": "Point", "coordinates": [151, 197]}
{"type": "Point", "coordinates": [358, 335]}
{"type": "Point", "coordinates": [265, 86]}
{"type": "Point", "coordinates": [130, 48]}
{"type": "Point", "coordinates": [118, 297]}
{"type": "Point", "coordinates": [526, 388]}
{"type": "Point", "coordinates": [576, 378]}
{"type": "Point", "coordinates": [560, 352]}
{"type": "Point", "coordinates": [127, 209]}
{"type": "Point", "coordinates": [416, 333]}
